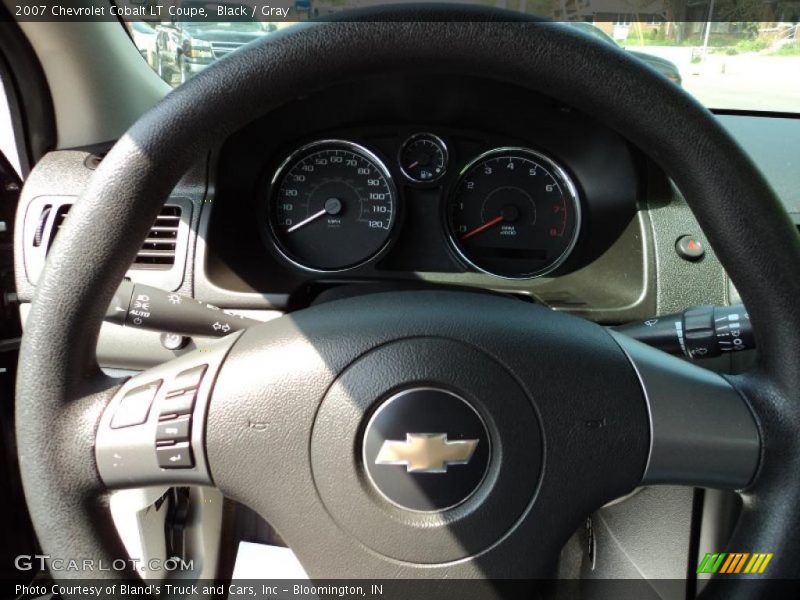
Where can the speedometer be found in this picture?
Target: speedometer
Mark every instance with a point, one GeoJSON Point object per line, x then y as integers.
{"type": "Point", "coordinates": [332, 206]}
{"type": "Point", "coordinates": [514, 213]}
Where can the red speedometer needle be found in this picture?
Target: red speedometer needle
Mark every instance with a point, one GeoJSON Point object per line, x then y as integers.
{"type": "Point", "coordinates": [482, 228]}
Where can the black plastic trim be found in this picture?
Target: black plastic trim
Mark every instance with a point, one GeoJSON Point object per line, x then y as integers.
{"type": "Point", "coordinates": [771, 114]}
{"type": "Point", "coordinates": [702, 431]}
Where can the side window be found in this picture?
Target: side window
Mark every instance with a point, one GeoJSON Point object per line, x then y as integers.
{"type": "Point", "coordinates": [8, 144]}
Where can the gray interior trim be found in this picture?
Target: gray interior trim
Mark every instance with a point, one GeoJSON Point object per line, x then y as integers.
{"type": "Point", "coordinates": [622, 538]}
{"type": "Point", "coordinates": [98, 80]}
{"type": "Point", "coordinates": [122, 351]}
{"type": "Point", "coordinates": [681, 283]}
{"type": "Point", "coordinates": [702, 431]}
{"type": "Point", "coordinates": [717, 520]}
{"type": "Point", "coordinates": [60, 177]}
{"type": "Point", "coordinates": [140, 519]}
{"type": "Point", "coordinates": [126, 456]}
{"type": "Point", "coordinates": [618, 286]}
{"type": "Point", "coordinates": [34, 256]}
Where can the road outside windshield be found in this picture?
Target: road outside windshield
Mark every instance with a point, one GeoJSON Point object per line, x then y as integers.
{"type": "Point", "coordinates": [745, 65]}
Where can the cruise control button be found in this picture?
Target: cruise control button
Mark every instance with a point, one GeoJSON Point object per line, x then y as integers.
{"type": "Point", "coordinates": [176, 430]}
{"type": "Point", "coordinates": [178, 405]}
{"type": "Point", "coordinates": [135, 406]}
{"type": "Point", "coordinates": [187, 380]}
{"type": "Point", "coordinates": [176, 456]}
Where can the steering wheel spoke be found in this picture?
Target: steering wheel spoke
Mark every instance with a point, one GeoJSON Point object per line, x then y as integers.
{"type": "Point", "coordinates": [153, 430]}
{"type": "Point", "coordinates": [703, 433]}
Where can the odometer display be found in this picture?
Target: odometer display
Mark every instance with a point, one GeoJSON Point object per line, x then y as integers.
{"type": "Point", "coordinates": [332, 206]}
{"type": "Point", "coordinates": [514, 213]}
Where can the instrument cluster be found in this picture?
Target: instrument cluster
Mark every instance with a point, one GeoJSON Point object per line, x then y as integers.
{"type": "Point", "coordinates": [512, 212]}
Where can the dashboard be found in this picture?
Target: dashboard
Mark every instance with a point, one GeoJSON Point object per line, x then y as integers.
{"type": "Point", "coordinates": [417, 178]}
{"type": "Point", "coordinates": [223, 235]}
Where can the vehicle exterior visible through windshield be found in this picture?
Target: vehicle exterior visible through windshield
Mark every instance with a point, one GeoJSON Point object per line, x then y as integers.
{"type": "Point", "coordinates": [183, 48]}
{"type": "Point", "coordinates": [725, 64]}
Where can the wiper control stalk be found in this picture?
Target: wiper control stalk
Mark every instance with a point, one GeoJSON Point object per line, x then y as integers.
{"type": "Point", "coordinates": [698, 332]}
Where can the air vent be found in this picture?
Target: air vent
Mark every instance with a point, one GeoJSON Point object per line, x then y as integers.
{"type": "Point", "coordinates": [58, 221]}
{"type": "Point", "coordinates": [41, 224]}
{"type": "Point", "coordinates": [158, 250]}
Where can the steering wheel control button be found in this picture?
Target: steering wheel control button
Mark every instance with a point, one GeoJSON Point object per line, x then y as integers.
{"type": "Point", "coordinates": [178, 405]}
{"type": "Point", "coordinates": [690, 248]}
{"type": "Point", "coordinates": [426, 450]}
{"type": "Point", "coordinates": [168, 448]}
{"type": "Point", "coordinates": [175, 456]}
{"type": "Point", "coordinates": [135, 406]}
{"type": "Point", "coordinates": [187, 380]}
{"type": "Point", "coordinates": [174, 430]}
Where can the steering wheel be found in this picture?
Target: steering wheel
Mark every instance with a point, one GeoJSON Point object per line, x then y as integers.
{"type": "Point", "coordinates": [418, 434]}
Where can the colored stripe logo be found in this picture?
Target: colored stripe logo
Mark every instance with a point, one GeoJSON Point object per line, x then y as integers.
{"type": "Point", "coordinates": [734, 562]}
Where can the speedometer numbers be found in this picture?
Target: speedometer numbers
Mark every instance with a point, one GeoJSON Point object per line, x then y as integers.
{"type": "Point", "coordinates": [333, 206]}
{"type": "Point", "coordinates": [514, 213]}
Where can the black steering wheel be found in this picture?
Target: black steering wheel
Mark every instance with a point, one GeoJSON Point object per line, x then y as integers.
{"type": "Point", "coordinates": [523, 420]}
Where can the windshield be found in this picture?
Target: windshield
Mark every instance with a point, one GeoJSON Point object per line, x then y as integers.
{"type": "Point", "coordinates": [245, 26]}
{"type": "Point", "coordinates": [725, 64]}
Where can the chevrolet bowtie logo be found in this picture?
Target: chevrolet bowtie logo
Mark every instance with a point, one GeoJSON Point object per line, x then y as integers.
{"type": "Point", "coordinates": [426, 452]}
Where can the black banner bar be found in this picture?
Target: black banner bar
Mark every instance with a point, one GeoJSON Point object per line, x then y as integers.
{"type": "Point", "coordinates": [624, 12]}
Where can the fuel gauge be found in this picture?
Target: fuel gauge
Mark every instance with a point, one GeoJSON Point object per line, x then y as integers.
{"type": "Point", "coordinates": [423, 158]}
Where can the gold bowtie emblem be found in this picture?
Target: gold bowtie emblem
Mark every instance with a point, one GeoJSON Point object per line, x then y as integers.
{"type": "Point", "coordinates": [426, 452]}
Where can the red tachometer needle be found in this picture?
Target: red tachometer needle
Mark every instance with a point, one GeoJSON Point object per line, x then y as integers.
{"type": "Point", "coordinates": [481, 228]}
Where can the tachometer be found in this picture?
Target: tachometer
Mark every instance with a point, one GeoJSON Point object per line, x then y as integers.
{"type": "Point", "coordinates": [514, 213]}
{"type": "Point", "coordinates": [332, 206]}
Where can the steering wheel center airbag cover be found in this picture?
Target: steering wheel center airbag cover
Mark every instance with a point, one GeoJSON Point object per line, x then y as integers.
{"type": "Point", "coordinates": [297, 397]}
{"type": "Point", "coordinates": [426, 449]}
{"type": "Point", "coordinates": [429, 517]}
